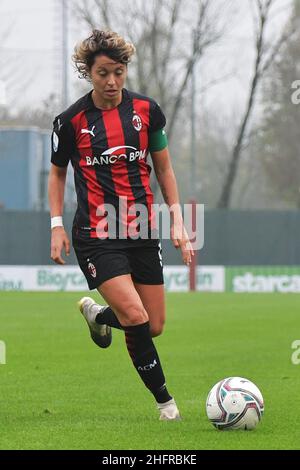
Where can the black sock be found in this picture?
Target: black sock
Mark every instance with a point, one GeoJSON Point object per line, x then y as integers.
{"type": "Point", "coordinates": [146, 361]}
{"type": "Point", "coordinates": [108, 317]}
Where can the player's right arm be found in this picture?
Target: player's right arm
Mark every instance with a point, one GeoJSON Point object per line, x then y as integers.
{"type": "Point", "coordinates": [56, 190]}
{"type": "Point", "coordinates": [62, 146]}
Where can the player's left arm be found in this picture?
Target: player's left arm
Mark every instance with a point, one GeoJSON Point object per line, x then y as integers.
{"type": "Point", "coordinates": [168, 185]}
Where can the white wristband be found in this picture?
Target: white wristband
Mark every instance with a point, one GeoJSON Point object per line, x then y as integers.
{"type": "Point", "coordinates": [56, 222]}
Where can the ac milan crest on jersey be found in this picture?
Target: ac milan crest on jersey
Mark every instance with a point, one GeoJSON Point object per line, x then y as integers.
{"type": "Point", "coordinates": [137, 122]}
{"type": "Point", "coordinates": [92, 270]}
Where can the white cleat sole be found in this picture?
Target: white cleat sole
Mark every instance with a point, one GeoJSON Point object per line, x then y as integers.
{"type": "Point", "coordinates": [100, 334]}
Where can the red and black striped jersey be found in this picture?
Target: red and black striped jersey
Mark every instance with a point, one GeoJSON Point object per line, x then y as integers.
{"type": "Point", "coordinates": [108, 150]}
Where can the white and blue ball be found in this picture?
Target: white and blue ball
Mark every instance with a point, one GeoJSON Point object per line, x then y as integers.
{"type": "Point", "coordinates": [235, 403]}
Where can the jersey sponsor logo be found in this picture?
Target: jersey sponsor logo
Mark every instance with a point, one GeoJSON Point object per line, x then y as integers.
{"type": "Point", "coordinates": [55, 141]}
{"type": "Point", "coordinates": [137, 122]}
{"type": "Point", "coordinates": [112, 155]}
{"type": "Point", "coordinates": [92, 270]}
{"type": "Point", "coordinates": [87, 131]}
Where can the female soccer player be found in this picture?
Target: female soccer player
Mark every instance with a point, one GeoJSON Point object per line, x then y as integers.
{"type": "Point", "coordinates": [106, 135]}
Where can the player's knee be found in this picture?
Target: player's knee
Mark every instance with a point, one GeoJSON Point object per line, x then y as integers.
{"type": "Point", "coordinates": [134, 314]}
{"type": "Point", "coordinates": [156, 329]}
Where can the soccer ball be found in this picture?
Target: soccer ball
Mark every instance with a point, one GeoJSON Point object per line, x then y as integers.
{"type": "Point", "coordinates": [234, 403]}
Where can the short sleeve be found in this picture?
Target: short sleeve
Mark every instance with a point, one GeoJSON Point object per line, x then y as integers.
{"type": "Point", "coordinates": [62, 141]}
{"type": "Point", "coordinates": [157, 118]}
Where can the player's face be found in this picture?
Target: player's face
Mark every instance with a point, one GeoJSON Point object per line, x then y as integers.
{"type": "Point", "coordinates": [108, 78]}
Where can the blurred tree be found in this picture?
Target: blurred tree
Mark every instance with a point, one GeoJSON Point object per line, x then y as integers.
{"type": "Point", "coordinates": [170, 37]}
{"type": "Point", "coordinates": [4, 69]}
{"type": "Point", "coordinates": [266, 52]}
{"type": "Point", "coordinates": [212, 150]}
{"type": "Point", "coordinates": [278, 143]}
{"type": "Point", "coordinates": [41, 117]}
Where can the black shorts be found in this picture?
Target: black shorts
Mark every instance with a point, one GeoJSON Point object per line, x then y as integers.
{"type": "Point", "coordinates": [100, 260]}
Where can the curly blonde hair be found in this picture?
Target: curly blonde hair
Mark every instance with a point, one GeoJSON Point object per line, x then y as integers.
{"type": "Point", "coordinates": [107, 43]}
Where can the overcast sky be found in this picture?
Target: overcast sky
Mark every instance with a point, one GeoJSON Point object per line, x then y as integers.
{"type": "Point", "coordinates": [31, 22]}
{"type": "Point", "coordinates": [27, 35]}
{"type": "Point", "coordinates": [30, 41]}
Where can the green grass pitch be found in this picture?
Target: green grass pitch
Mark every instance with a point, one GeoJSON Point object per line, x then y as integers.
{"type": "Point", "coordinates": [59, 391]}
